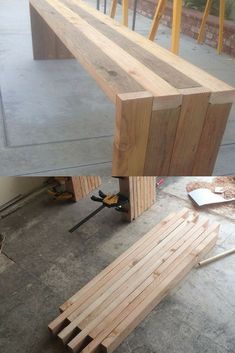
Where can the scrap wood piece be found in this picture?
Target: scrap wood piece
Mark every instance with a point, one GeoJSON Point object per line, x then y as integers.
{"type": "Point", "coordinates": [216, 257]}
{"type": "Point", "coordinates": [111, 305]}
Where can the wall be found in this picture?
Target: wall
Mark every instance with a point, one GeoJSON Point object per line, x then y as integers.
{"type": "Point", "coordinates": [11, 187]}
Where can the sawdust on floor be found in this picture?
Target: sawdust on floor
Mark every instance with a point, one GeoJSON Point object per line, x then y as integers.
{"type": "Point", "coordinates": [227, 183]}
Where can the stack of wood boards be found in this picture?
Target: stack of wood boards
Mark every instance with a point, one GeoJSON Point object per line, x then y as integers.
{"type": "Point", "coordinates": [170, 115]}
{"type": "Point", "coordinates": [101, 314]}
{"type": "Point", "coordinates": [82, 185]}
{"type": "Point", "coordinates": [141, 193]}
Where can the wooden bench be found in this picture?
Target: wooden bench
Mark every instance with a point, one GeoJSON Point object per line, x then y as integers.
{"type": "Point", "coordinates": [99, 316]}
{"type": "Point", "coordinates": [170, 115]}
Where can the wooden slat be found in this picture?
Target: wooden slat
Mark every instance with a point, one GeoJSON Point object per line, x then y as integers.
{"type": "Point", "coordinates": [211, 137]}
{"type": "Point", "coordinates": [221, 92]}
{"type": "Point", "coordinates": [139, 310]}
{"type": "Point", "coordinates": [158, 66]}
{"type": "Point", "coordinates": [191, 122]}
{"type": "Point", "coordinates": [46, 45]}
{"type": "Point", "coordinates": [107, 275]}
{"type": "Point", "coordinates": [163, 225]}
{"type": "Point", "coordinates": [124, 274]}
{"type": "Point", "coordinates": [133, 115]}
{"type": "Point", "coordinates": [162, 271]}
{"type": "Point", "coordinates": [81, 186]}
{"type": "Point", "coordinates": [162, 132]}
{"type": "Point", "coordinates": [110, 322]}
{"type": "Point", "coordinates": [127, 288]}
{"type": "Point", "coordinates": [73, 30]}
{"type": "Point", "coordinates": [150, 266]}
{"type": "Point", "coordinates": [129, 188]}
{"type": "Point", "coordinates": [164, 256]}
{"type": "Point", "coordinates": [111, 78]}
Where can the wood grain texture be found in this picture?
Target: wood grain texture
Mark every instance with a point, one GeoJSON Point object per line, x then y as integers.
{"type": "Point", "coordinates": [148, 84]}
{"type": "Point", "coordinates": [46, 44]}
{"type": "Point", "coordinates": [190, 125]}
{"type": "Point", "coordinates": [109, 307]}
{"type": "Point", "coordinates": [81, 186]}
{"type": "Point", "coordinates": [141, 192]}
{"type": "Point", "coordinates": [161, 139]}
{"type": "Point", "coordinates": [165, 71]}
{"type": "Point", "coordinates": [221, 91]}
{"type": "Point", "coordinates": [211, 138]}
{"type": "Point", "coordinates": [133, 116]}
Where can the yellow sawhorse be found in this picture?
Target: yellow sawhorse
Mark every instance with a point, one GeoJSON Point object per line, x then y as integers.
{"type": "Point", "coordinates": [176, 23]}
{"type": "Point", "coordinates": [125, 5]}
{"type": "Point", "coordinates": [221, 23]}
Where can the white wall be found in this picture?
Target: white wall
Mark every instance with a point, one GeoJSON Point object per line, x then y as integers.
{"type": "Point", "coordinates": [11, 187]}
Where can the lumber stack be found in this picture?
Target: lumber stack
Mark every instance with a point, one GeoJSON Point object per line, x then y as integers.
{"type": "Point", "coordinates": [81, 186]}
{"type": "Point", "coordinates": [141, 193]}
{"type": "Point", "coordinates": [101, 314]}
{"type": "Point", "coordinates": [170, 115]}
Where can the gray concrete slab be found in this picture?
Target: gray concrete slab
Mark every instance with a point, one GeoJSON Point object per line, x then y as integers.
{"type": "Point", "coordinates": [48, 128]}
{"type": "Point", "coordinates": [42, 265]}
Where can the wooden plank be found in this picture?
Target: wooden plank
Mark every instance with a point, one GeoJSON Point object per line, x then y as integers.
{"type": "Point", "coordinates": [133, 115]}
{"type": "Point", "coordinates": [221, 92]}
{"type": "Point", "coordinates": [110, 322]}
{"type": "Point", "coordinates": [163, 225]}
{"type": "Point", "coordinates": [148, 270]}
{"type": "Point", "coordinates": [128, 188]}
{"type": "Point", "coordinates": [110, 77]}
{"type": "Point", "coordinates": [108, 274]}
{"type": "Point", "coordinates": [162, 132]}
{"type": "Point", "coordinates": [139, 310]}
{"type": "Point", "coordinates": [158, 66]}
{"type": "Point", "coordinates": [105, 321]}
{"type": "Point", "coordinates": [71, 27]}
{"type": "Point", "coordinates": [150, 265]}
{"type": "Point", "coordinates": [100, 283]}
{"type": "Point", "coordinates": [126, 272]}
{"type": "Point", "coordinates": [190, 125]}
{"type": "Point", "coordinates": [163, 269]}
{"type": "Point", "coordinates": [46, 45]}
{"type": "Point", "coordinates": [212, 134]}
{"type": "Point", "coordinates": [80, 187]}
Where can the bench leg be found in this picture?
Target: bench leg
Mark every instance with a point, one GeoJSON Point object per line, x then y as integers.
{"type": "Point", "coordinates": [133, 117]}
{"type": "Point", "coordinates": [46, 45]}
{"type": "Point", "coordinates": [141, 192]}
{"type": "Point", "coordinates": [212, 134]}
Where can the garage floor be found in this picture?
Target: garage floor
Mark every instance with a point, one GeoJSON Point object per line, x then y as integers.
{"type": "Point", "coordinates": [42, 265]}
{"type": "Point", "coordinates": [47, 125]}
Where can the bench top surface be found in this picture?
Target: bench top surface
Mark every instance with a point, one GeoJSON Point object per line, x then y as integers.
{"type": "Point", "coordinates": [122, 61]}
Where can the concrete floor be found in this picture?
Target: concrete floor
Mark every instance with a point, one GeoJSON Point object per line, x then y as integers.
{"type": "Point", "coordinates": [49, 128]}
{"type": "Point", "coordinates": [42, 265]}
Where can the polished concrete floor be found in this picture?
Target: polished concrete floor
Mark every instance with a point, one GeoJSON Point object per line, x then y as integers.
{"type": "Point", "coordinates": [42, 265]}
{"type": "Point", "coordinates": [47, 124]}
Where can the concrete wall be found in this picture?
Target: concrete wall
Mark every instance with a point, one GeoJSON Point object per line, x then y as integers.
{"type": "Point", "coordinates": [11, 187]}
